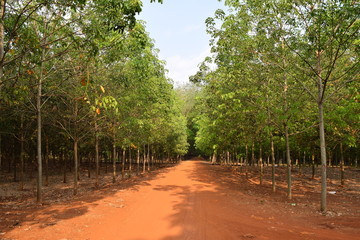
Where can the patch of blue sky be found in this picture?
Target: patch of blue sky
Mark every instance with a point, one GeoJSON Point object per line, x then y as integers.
{"type": "Point", "coordinates": [179, 30]}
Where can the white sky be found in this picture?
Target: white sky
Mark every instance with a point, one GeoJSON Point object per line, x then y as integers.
{"type": "Point", "coordinates": [178, 28]}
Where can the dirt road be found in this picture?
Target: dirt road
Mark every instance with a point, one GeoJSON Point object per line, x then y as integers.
{"type": "Point", "coordinates": [188, 201]}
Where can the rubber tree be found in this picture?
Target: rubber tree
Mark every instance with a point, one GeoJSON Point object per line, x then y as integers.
{"type": "Point", "coordinates": [329, 33]}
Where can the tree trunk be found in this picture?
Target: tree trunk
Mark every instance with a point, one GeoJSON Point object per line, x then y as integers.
{"type": "Point", "coordinates": [261, 165]}
{"type": "Point", "coordinates": [148, 156]}
{"type": "Point", "coordinates": [105, 156]}
{"type": "Point", "coordinates": [138, 161]}
{"type": "Point", "coordinates": [273, 165]}
{"type": "Point", "coordinates": [47, 162]}
{"type": "Point", "coordinates": [123, 165]}
{"type": "Point", "coordinates": [323, 206]}
{"type": "Point", "coordinates": [144, 159]}
{"type": "Point", "coordinates": [288, 160]}
{"type": "Point", "coordinates": [213, 158]}
{"type": "Point", "coordinates": [76, 155]}
{"type": "Point", "coordinates": [14, 161]}
{"type": "Point", "coordinates": [79, 164]}
{"type": "Point", "coordinates": [96, 154]}
{"type": "Point", "coordinates": [237, 160]}
{"type": "Point", "coordinates": [227, 158]}
{"type": "Point", "coordinates": [252, 155]}
{"type": "Point", "coordinates": [64, 166]}
{"type": "Point", "coordinates": [313, 166]}
{"type": "Point", "coordinates": [130, 158]}
{"type": "Point", "coordinates": [76, 166]}
{"type": "Point", "coordinates": [320, 102]}
{"type": "Point", "coordinates": [114, 158]}
{"type": "Point", "coordinates": [152, 159]}
{"type": "Point", "coordinates": [342, 167]}
{"type": "Point", "coordinates": [22, 139]}
{"type": "Point", "coordinates": [89, 165]}
{"type": "Point", "coordinates": [39, 128]}
{"type": "Point", "coordinates": [246, 161]}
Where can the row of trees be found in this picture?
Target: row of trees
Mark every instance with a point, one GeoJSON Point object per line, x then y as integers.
{"type": "Point", "coordinates": [82, 78]}
{"type": "Point", "coordinates": [287, 78]}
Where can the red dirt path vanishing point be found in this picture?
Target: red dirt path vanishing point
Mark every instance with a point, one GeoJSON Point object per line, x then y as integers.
{"type": "Point", "coordinates": [189, 201]}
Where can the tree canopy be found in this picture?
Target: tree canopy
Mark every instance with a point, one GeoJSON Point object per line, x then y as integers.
{"type": "Point", "coordinates": [284, 68]}
{"type": "Point", "coordinates": [82, 77]}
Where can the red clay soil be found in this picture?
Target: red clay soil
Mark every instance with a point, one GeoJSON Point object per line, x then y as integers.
{"type": "Point", "coordinates": [193, 200]}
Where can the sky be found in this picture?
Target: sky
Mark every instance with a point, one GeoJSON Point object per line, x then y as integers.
{"type": "Point", "coordinates": [178, 28]}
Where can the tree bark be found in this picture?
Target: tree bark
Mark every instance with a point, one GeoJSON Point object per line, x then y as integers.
{"type": "Point", "coordinates": [114, 158]}
{"type": "Point", "coordinates": [213, 158]}
{"type": "Point", "coordinates": [14, 161]}
{"type": "Point", "coordinates": [64, 165]}
{"type": "Point", "coordinates": [313, 166]}
{"type": "Point", "coordinates": [261, 165]}
{"type": "Point", "coordinates": [152, 159]}
{"type": "Point", "coordinates": [321, 90]}
{"type": "Point", "coordinates": [272, 164]}
{"type": "Point", "coordinates": [252, 154]}
{"type": "Point", "coordinates": [105, 156]}
{"type": "Point", "coordinates": [246, 161]}
{"type": "Point", "coordinates": [96, 154]}
{"type": "Point", "coordinates": [138, 161]}
{"type": "Point", "coordinates": [89, 165]}
{"type": "Point", "coordinates": [288, 160]}
{"type": "Point", "coordinates": [123, 165]}
{"type": "Point", "coordinates": [148, 156]}
{"type": "Point", "coordinates": [76, 142]}
{"type": "Point", "coordinates": [39, 129]}
{"type": "Point", "coordinates": [286, 125]}
{"type": "Point", "coordinates": [130, 159]}
{"type": "Point", "coordinates": [22, 139]}
{"type": "Point", "coordinates": [323, 206]}
{"type": "Point", "coordinates": [76, 166]}
{"type": "Point", "coordinates": [342, 165]}
{"type": "Point", "coordinates": [144, 159]}
{"type": "Point", "coordinates": [237, 160]}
